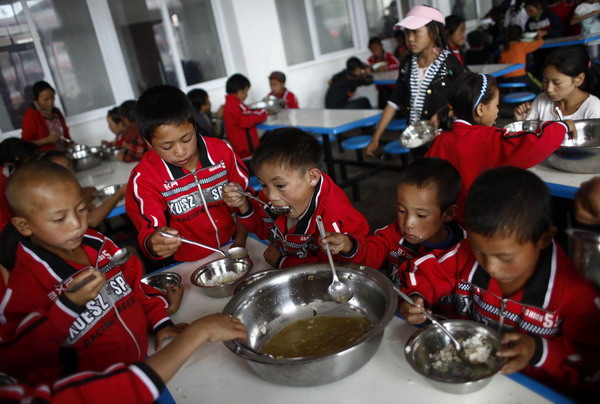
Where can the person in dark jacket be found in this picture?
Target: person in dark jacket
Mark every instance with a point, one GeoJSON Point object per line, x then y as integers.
{"type": "Point", "coordinates": [343, 85]}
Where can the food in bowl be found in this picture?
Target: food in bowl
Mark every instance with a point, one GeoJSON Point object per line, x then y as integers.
{"type": "Point", "coordinates": [222, 279]}
{"type": "Point", "coordinates": [316, 335]}
{"type": "Point", "coordinates": [480, 353]}
{"type": "Point", "coordinates": [218, 278]}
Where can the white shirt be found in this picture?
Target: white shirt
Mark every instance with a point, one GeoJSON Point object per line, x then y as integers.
{"type": "Point", "coordinates": [590, 25]}
{"type": "Point", "coordinates": [542, 109]}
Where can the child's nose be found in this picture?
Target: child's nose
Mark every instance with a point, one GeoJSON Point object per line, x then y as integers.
{"type": "Point", "coordinates": [179, 150]}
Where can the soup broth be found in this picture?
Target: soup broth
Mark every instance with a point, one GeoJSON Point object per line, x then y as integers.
{"type": "Point", "coordinates": [318, 335]}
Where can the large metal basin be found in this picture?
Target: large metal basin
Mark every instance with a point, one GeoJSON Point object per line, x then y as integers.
{"type": "Point", "coordinates": [279, 299]}
{"type": "Point", "coordinates": [578, 155]}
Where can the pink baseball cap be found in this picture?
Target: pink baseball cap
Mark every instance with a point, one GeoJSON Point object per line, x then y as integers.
{"type": "Point", "coordinates": [419, 16]}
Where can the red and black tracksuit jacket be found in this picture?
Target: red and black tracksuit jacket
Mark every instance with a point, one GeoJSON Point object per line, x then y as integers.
{"type": "Point", "coordinates": [299, 243]}
{"type": "Point", "coordinates": [111, 328]}
{"type": "Point", "coordinates": [240, 125]}
{"type": "Point", "coordinates": [557, 306]}
{"type": "Point", "coordinates": [162, 194]}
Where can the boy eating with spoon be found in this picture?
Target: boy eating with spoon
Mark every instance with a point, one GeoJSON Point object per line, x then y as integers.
{"type": "Point", "coordinates": [286, 164]}
{"type": "Point", "coordinates": [511, 275]}
{"type": "Point", "coordinates": [55, 247]}
{"type": "Point", "coordinates": [176, 187]}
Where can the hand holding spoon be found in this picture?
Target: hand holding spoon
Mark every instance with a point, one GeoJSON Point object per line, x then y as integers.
{"type": "Point", "coordinates": [337, 290]}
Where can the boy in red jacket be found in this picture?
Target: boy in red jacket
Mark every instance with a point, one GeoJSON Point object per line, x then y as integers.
{"type": "Point", "coordinates": [279, 90]}
{"type": "Point", "coordinates": [176, 187]}
{"type": "Point", "coordinates": [286, 166]}
{"type": "Point", "coordinates": [55, 247]}
{"type": "Point", "coordinates": [240, 121]}
{"type": "Point", "coordinates": [511, 275]}
{"type": "Point", "coordinates": [426, 205]}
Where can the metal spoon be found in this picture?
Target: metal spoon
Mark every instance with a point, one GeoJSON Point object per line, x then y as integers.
{"type": "Point", "coordinates": [278, 210]}
{"type": "Point", "coordinates": [119, 258]}
{"type": "Point", "coordinates": [559, 112]}
{"type": "Point", "coordinates": [459, 348]}
{"type": "Point", "coordinates": [185, 240]}
{"type": "Point", "coordinates": [337, 290]}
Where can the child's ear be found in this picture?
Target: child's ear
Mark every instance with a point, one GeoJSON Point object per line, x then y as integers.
{"type": "Point", "coordinates": [449, 214]}
{"type": "Point", "coordinates": [314, 175]}
{"type": "Point", "coordinates": [22, 225]}
{"type": "Point", "coordinates": [546, 238]}
{"type": "Point", "coordinates": [478, 112]}
{"type": "Point", "coordinates": [579, 79]}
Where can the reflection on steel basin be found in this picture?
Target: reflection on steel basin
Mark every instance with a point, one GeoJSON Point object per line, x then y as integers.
{"type": "Point", "coordinates": [281, 298]}
{"type": "Point", "coordinates": [84, 157]}
{"type": "Point", "coordinates": [581, 154]}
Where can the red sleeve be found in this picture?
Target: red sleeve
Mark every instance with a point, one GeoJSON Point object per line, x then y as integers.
{"type": "Point", "coordinates": [292, 101]}
{"type": "Point", "coordinates": [572, 358]}
{"type": "Point", "coordinates": [526, 149]}
{"type": "Point", "coordinates": [373, 250]}
{"type": "Point", "coordinates": [236, 169]}
{"type": "Point", "coordinates": [249, 118]}
{"type": "Point", "coordinates": [392, 62]}
{"type": "Point", "coordinates": [433, 278]}
{"type": "Point", "coordinates": [341, 219]}
{"type": "Point", "coordinates": [253, 220]}
{"type": "Point", "coordinates": [30, 129]}
{"type": "Point", "coordinates": [136, 383]}
{"type": "Point", "coordinates": [144, 204]}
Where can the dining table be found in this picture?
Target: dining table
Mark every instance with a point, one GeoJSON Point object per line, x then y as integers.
{"type": "Point", "coordinates": [570, 40]}
{"type": "Point", "coordinates": [493, 69]}
{"type": "Point", "coordinates": [109, 172]}
{"type": "Point", "coordinates": [214, 374]}
{"type": "Point", "coordinates": [562, 184]}
{"type": "Point", "coordinates": [328, 123]}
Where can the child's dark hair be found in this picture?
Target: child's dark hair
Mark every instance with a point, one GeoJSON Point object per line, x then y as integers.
{"type": "Point", "coordinates": [40, 86]}
{"type": "Point", "coordinates": [399, 34]}
{"type": "Point", "coordinates": [438, 35]}
{"type": "Point", "coordinates": [236, 83]}
{"type": "Point", "coordinates": [375, 40]}
{"type": "Point", "coordinates": [163, 105]}
{"type": "Point", "coordinates": [426, 171]}
{"type": "Point", "coordinates": [513, 33]}
{"type": "Point", "coordinates": [476, 39]}
{"type": "Point", "coordinates": [572, 61]}
{"type": "Point", "coordinates": [535, 3]}
{"type": "Point", "coordinates": [50, 154]}
{"type": "Point", "coordinates": [288, 147]}
{"type": "Point", "coordinates": [198, 98]}
{"type": "Point", "coordinates": [354, 63]}
{"type": "Point", "coordinates": [15, 152]}
{"type": "Point", "coordinates": [452, 23]}
{"type": "Point", "coordinates": [114, 115]}
{"type": "Point", "coordinates": [464, 94]}
{"type": "Point", "coordinates": [127, 110]}
{"type": "Point", "coordinates": [526, 213]}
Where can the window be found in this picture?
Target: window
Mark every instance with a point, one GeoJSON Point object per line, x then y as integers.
{"type": "Point", "coordinates": [311, 28]}
{"type": "Point", "coordinates": [71, 49]}
{"type": "Point", "coordinates": [197, 40]}
{"type": "Point", "coordinates": [381, 15]}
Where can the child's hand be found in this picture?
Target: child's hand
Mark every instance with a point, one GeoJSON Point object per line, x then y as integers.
{"type": "Point", "coordinates": [542, 33]}
{"type": "Point", "coordinates": [174, 297]}
{"type": "Point", "coordinates": [89, 290]}
{"type": "Point", "coordinates": [219, 327]}
{"type": "Point", "coordinates": [522, 111]}
{"type": "Point", "coordinates": [272, 255]}
{"type": "Point", "coordinates": [413, 314]}
{"type": "Point", "coordinates": [161, 245]}
{"type": "Point", "coordinates": [337, 243]}
{"type": "Point", "coordinates": [234, 199]}
{"type": "Point", "coordinates": [587, 202]}
{"type": "Point", "coordinates": [371, 148]}
{"type": "Point", "coordinates": [121, 191]}
{"type": "Point", "coordinates": [435, 120]}
{"type": "Point", "coordinates": [168, 332]}
{"type": "Point", "coordinates": [519, 352]}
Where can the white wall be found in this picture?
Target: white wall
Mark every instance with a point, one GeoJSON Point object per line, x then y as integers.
{"type": "Point", "coordinates": [256, 48]}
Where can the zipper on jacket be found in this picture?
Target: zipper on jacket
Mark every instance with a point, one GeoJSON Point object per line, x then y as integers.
{"type": "Point", "coordinates": [502, 314]}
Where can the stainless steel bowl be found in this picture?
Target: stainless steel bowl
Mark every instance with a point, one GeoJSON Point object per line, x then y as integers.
{"type": "Point", "coordinates": [252, 279]}
{"type": "Point", "coordinates": [163, 280]}
{"type": "Point", "coordinates": [83, 158]}
{"type": "Point", "coordinates": [429, 340]}
{"type": "Point", "coordinates": [578, 155]}
{"type": "Point", "coordinates": [109, 152]}
{"type": "Point", "coordinates": [103, 194]}
{"type": "Point", "coordinates": [272, 303]}
{"type": "Point", "coordinates": [584, 249]}
{"type": "Point", "coordinates": [417, 134]}
{"type": "Point", "coordinates": [269, 102]}
{"type": "Point", "coordinates": [206, 277]}
{"type": "Point", "coordinates": [581, 154]}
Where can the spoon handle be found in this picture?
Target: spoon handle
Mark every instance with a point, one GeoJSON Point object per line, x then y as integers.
{"type": "Point", "coordinates": [249, 195]}
{"type": "Point", "coordinates": [327, 250]}
{"type": "Point", "coordinates": [185, 240]}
